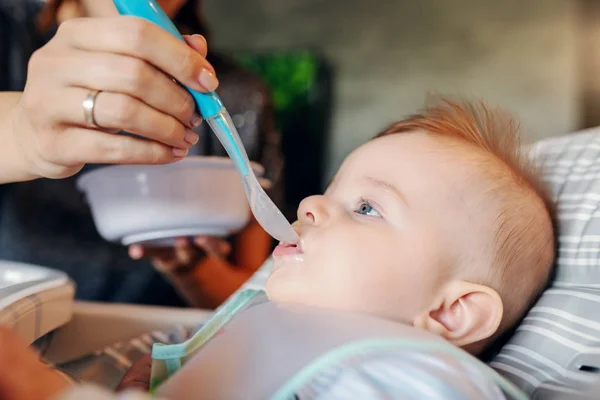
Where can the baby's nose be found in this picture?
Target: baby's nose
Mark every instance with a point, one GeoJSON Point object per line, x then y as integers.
{"type": "Point", "coordinates": [313, 210]}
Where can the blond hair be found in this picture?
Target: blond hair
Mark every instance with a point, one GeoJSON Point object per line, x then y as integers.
{"type": "Point", "coordinates": [524, 236]}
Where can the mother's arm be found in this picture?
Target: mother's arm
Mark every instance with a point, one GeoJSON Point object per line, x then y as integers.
{"type": "Point", "coordinates": [14, 166]}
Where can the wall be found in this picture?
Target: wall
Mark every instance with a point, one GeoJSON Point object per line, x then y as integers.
{"type": "Point", "coordinates": [389, 54]}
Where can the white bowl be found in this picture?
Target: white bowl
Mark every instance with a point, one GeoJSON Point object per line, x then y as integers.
{"type": "Point", "coordinates": [154, 204]}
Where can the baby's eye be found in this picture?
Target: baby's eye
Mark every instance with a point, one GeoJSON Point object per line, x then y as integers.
{"type": "Point", "coordinates": [364, 208]}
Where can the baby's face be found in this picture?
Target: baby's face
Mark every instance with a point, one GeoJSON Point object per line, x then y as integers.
{"type": "Point", "coordinates": [387, 233]}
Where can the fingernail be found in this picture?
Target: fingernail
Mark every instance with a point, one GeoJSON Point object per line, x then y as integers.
{"type": "Point", "coordinates": [208, 80]}
{"type": "Point", "coordinates": [180, 152]}
{"type": "Point", "coordinates": [191, 137]}
{"type": "Point", "coordinates": [198, 36]}
{"type": "Point", "coordinates": [196, 120]}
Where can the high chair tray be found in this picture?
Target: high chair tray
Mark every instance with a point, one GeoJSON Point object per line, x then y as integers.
{"type": "Point", "coordinates": [34, 300]}
{"type": "Point", "coordinates": [94, 326]}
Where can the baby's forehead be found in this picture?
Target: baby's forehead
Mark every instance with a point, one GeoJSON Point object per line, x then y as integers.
{"type": "Point", "coordinates": [420, 153]}
{"type": "Point", "coordinates": [458, 175]}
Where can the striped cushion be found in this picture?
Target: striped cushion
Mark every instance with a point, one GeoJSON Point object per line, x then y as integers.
{"type": "Point", "coordinates": [556, 349]}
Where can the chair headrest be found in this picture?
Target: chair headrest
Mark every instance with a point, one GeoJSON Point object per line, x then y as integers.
{"type": "Point", "coordinates": [556, 348]}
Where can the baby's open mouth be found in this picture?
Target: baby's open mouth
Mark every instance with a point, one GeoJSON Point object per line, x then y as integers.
{"type": "Point", "coordinates": [285, 249]}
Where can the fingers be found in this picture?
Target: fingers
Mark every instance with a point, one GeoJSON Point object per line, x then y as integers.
{"type": "Point", "coordinates": [184, 251]}
{"type": "Point", "coordinates": [163, 258]}
{"type": "Point", "coordinates": [137, 252]}
{"type": "Point", "coordinates": [167, 259]}
{"type": "Point", "coordinates": [139, 38]}
{"type": "Point", "coordinates": [122, 112]}
{"type": "Point", "coordinates": [77, 146]}
{"type": "Point", "coordinates": [131, 62]}
{"type": "Point", "coordinates": [198, 43]}
{"type": "Point", "coordinates": [132, 77]}
{"type": "Point", "coordinates": [214, 247]}
{"type": "Point", "coordinates": [118, 111]}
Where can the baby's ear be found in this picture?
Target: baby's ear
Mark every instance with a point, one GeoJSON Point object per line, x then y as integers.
{"type": "Point", "coordinates": [465, 313]}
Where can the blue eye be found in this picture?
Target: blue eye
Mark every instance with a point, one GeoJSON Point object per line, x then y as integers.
{"type": "Point", "coordinates": [364, 208]}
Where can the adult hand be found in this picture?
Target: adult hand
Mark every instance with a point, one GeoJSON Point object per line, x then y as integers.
{"type": "Point", "coordinates": [184, 255]}
{"type": "Point", "coordinates": [131, 62]}
{"type": "Point", "coordinates": [24, 376]}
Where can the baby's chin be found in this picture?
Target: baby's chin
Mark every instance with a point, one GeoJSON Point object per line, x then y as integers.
{"type": "Point", "coordinates": [285, 283]}
{"type": "Point", "coordinates": [289, 262]}
{"type": "Point", "coordinates": [278, 280]}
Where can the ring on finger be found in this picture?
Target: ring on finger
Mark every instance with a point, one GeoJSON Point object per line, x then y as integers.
{"type": "Point", "coordinates": [89, 103]}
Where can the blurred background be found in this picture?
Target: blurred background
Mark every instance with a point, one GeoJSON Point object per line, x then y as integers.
{"type": "Point", "coordinates": [341, 70]}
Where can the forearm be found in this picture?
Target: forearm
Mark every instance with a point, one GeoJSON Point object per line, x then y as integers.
{"type": "Point", "coordinates": [14, 167]}
{"type": "Point", "coordinates": [209, 283]}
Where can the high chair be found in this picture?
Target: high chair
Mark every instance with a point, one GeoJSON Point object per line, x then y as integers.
{"type": "Point", "coordinates": [38, 304]}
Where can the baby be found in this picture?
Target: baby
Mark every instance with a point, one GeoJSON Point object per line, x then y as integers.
{"type": "Point", "coordinates": [437, 228]}
{"type": "Point", "coordinates": [438, 222]}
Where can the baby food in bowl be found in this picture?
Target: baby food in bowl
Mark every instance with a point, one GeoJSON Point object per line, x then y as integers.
{"type": "Point", "coordinates": [153, 204]}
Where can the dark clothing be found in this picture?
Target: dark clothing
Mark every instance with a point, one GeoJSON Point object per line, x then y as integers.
{"type": "Point", "coordinates": [47, 222]}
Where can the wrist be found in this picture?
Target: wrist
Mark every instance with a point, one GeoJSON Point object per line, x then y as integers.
{"type": "Point", "coordinates": [23, 151]}
{"type": "Point", "coordinates": [20, 166]}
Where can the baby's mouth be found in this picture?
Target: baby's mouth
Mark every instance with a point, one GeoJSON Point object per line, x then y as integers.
{"type": "Point", "coordinates": [289, 249]}
{"type": "Point", "coordinates": [285, 249]}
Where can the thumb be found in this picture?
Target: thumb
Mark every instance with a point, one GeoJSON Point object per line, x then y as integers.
{"type": "Point", "coordinates": [198, 43]}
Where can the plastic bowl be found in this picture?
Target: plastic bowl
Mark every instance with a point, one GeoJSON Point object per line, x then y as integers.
{"type": "Point", "coordinates": [153, 204]}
